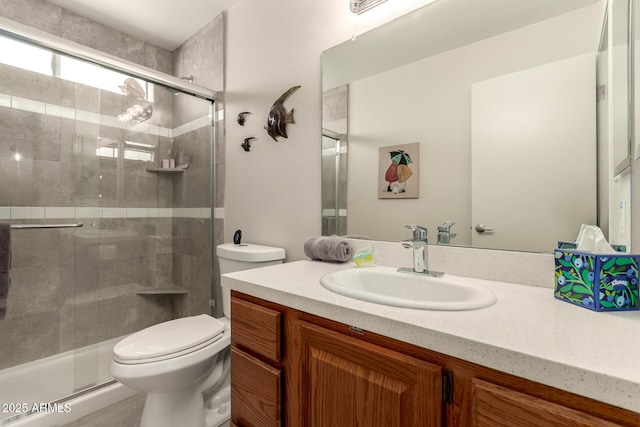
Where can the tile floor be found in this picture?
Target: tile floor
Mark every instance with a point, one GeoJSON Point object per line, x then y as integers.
{"type": "Point", "coordinates": [126, 413]}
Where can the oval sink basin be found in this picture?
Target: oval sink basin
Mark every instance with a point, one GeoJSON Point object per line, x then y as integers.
{"type": "Point", "coordinates": [385, 285]}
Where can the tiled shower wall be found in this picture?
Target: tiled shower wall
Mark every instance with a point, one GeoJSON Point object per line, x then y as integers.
{"type": "Point", "coordinates": [75, 287]}
{"type": "Point", "coordinates": [72, 288]}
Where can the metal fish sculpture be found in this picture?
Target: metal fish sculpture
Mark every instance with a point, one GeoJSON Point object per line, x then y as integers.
{"type": "Point", "coordinates": [246, 145]}
{"type": "Point", "coordinates": [278, 116]}
{"type": "Point", "coordinates": [241, 118]}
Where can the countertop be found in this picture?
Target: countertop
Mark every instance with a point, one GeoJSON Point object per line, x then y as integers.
{"type": "Point", "coordinates": [527, 333]}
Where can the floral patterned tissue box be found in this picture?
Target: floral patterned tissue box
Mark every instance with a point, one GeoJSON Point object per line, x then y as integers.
{"type": "Point", "coordinates": [597, 282]}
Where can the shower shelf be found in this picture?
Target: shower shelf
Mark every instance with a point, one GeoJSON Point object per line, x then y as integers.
{"type": "Point", "coordinates": [111, 293]}
{"type": "Point", "coordinates": [165, 170]}
{"type": "Point", "coordinates": [162, 290]}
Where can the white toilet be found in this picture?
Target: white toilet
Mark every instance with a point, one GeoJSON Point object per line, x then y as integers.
{"type": "Point", "coordinates": [183, 362]}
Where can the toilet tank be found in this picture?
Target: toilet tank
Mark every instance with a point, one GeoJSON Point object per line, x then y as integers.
{"type": "Point", "coordinates": [232, 257]}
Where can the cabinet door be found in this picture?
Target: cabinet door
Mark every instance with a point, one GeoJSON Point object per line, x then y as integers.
{"type": "Point", "coordinates": [496, 406]}
{"type": "Point", "coordinates": [256, 390]}
{"type": "Point", "coordinates": [348, 382]}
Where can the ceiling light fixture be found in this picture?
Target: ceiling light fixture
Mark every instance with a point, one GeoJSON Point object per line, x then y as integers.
{"type": "Point", "coordinates": [359, 6]}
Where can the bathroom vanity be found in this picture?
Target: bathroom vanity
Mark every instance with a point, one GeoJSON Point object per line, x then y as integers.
{"type": "Point", "coordinates": [303, 360]}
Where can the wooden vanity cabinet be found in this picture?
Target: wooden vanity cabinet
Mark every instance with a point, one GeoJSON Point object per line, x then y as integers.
{"type": "Point", "coordinates": [496, 406]}
{"type": "Point", "coordinates": [342, 381]}
{"type": "Point", "coordinates": [298, 370]}
{"type": "Point", "coordinates": [256, 391]}
{"type": "Point", "coordinates": [256, 370]}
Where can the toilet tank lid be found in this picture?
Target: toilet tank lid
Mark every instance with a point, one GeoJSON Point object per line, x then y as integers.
{"type": "Point", "coordinates": [248, 252]}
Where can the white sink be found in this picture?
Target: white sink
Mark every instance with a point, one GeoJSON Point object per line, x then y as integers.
{"type": "Point", "coordinates": [387, 286]}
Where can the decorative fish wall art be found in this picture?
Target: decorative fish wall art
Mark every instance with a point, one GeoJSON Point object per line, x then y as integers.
{"type": "Point", "coordinates": [246, 145]}
{"type": "Point", "coordinates": [278, 116]}
{"type": "Point", "coordinates": [241, 118]}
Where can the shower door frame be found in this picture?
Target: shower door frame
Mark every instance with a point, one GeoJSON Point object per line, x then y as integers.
{"type": "Point", "coordinates": [59, 45]}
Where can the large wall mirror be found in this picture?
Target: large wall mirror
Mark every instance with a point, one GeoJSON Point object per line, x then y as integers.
{"type": "Point", "coordinates": [510, 121]}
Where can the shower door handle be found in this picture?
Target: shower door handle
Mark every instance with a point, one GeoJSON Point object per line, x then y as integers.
{"type": "Point", "coordinates": [481, 228]}
{"type": "Point", "coordinates": [31, 226]}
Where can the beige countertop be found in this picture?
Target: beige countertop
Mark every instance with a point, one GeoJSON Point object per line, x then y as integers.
{"type": "Point", "coordinates": [527, 333]}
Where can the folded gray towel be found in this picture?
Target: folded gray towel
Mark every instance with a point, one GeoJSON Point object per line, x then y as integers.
{"type": "Point", "coordinates": [5, 266]}
{"type": "Point", "coordinates": [328, 248]}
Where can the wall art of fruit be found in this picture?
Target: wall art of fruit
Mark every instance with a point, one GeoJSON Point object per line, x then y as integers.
{"type": "Point", "coordinates": [399, 171]}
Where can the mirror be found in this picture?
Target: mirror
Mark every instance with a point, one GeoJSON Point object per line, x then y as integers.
{"type": "Point", "coordinates": [620, 100]}
{"type": "Point", "coordinates": [500, 100]}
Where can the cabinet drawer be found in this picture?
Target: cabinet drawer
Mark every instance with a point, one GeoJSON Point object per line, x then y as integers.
{"type": "Point", "coordinates": [256, 391]}
{"type": "Point", "coordinates": [256, 328]}
{"type": "Point", "coordinates": [496, 406]}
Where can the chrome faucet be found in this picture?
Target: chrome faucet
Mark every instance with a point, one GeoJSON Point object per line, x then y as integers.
{"type": "Point", "coordinates": [420, 254]}
{"type": "Point", "coordinates": [444, 233]}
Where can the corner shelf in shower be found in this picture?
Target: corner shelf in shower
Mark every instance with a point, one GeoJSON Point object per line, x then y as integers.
{"type": "Point", "coordinates": [162, 290]}
{"type": "Point", "coordinates": [101, 294]}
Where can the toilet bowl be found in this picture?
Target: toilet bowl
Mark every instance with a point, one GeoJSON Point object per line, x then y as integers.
{"type": "Point", "coordinates": [172, 362]}
{"type": "Point", "coordinates": [184, 364]}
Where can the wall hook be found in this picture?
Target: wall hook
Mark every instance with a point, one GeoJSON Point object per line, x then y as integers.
{"type": "Point", "coordinates": [246, 145]}
{"type": "Point", "coordinates": [241, 118]}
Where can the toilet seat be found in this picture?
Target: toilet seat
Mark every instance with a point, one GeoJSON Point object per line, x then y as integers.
{"type": "Point", "coordinates": [168, 340]}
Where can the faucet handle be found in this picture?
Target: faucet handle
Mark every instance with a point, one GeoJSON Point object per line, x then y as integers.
{"type": "Point", "coordinates": [446, 226]}
{"type": "Point", "coordinates": [419, 232]}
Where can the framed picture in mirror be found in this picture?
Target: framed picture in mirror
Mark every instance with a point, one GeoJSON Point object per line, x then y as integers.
{"type": "Point", "coordinates": [399, 171]}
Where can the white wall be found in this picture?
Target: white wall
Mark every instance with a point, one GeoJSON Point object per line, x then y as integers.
{"type": "Point", "coordinates": [533, 155]}
{"type": "Point", "coordinates": [273, 191]}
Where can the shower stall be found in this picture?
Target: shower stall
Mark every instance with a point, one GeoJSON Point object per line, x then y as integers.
{"type": "Point", "coordinates": [334, 183]}
{"type": "Point", "coordinates": [120, 159]}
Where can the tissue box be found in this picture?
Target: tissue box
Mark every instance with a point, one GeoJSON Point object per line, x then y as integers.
{"type": "Point", "coordinates": [573, 245]}
{"type": "Point", "coordinates": [600, 282]}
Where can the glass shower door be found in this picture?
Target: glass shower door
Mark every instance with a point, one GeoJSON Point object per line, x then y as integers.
{"type": "Point", "coordinates": [41, 175]}
{"type": "Point", "coordinates": [133, 163]}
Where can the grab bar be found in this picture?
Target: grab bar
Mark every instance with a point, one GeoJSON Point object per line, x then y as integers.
{"type": "Point", "coordinates": [30, 226]}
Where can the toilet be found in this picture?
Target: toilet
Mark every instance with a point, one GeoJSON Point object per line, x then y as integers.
{"type": "Point", "coordinates": [183, 364]}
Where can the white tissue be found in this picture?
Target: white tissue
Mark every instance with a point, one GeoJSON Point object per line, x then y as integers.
{"type": "Point", "coordinates": [591, 239]}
